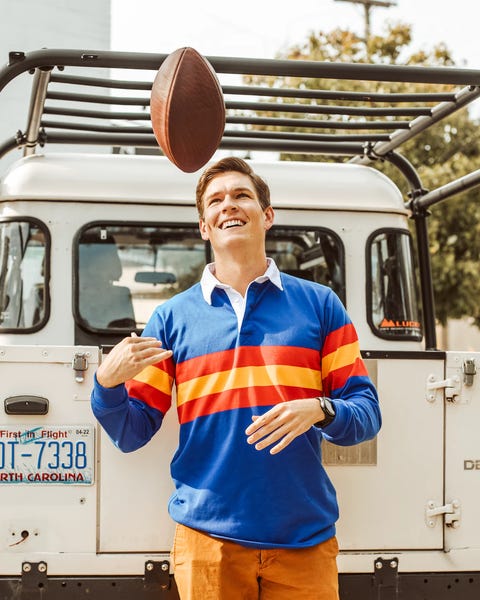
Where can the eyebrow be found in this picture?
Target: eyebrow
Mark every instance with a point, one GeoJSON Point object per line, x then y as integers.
{"type": "Point", "coordinates": [236, 189]}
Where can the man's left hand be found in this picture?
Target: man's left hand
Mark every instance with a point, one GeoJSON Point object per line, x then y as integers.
{"type": "Point", "coordinates": [283, 423]}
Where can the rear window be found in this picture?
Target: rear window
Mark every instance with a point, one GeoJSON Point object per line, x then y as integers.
{"type": "Point", "coordinates": [124, 271]}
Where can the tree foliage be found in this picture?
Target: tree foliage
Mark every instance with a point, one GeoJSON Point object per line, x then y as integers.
{"type": "Point", "coordinates": [442, 153]}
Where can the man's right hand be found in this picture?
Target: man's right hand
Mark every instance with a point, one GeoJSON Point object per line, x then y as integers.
{"type": "Point", "coordinates": [128, 358]}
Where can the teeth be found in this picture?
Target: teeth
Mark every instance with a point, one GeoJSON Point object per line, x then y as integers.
{"type": "Point", "coordinates": [231, 223]}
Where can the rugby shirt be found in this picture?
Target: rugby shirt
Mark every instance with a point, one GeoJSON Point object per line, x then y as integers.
{"type": "Point", "coordinates": [295, 342]}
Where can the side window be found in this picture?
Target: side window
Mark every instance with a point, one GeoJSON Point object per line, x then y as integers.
{"type": "Point", "coordinates": [314, 254]}
{"type": "Point", "coordinates": [393, 311]}
{"type": "Point", "coordinates": [124, 271]}
{"type": "Point", "coordinates": [24, 265]}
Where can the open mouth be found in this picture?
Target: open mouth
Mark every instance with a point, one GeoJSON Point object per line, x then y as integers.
{"type": "Point", "coordinates": [232, 223]}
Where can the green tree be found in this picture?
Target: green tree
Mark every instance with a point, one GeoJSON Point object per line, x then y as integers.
{"type": "Point", "coordinates": [445, 151]}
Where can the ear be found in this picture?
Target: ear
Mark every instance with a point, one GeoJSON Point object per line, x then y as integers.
{"type": "Point", "coordinates": [269, 217]}
{"type": "Point", "coordinates": [203, 230]}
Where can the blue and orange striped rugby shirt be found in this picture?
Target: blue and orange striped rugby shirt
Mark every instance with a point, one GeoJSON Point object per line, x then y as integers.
{"type": "Point", "coordinates": [293, 343]}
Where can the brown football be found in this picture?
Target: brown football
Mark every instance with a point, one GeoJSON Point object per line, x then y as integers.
{"type": "Point", "coordinates": [187, 109]}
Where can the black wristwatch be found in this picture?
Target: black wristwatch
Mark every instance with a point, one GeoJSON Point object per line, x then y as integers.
{"type": "Point", "coordinates": [328, 410]}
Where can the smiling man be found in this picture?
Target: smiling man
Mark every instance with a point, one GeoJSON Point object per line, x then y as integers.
{"type": "Point", "coordinates": [234, 217]}
{"type": "Point", "coordinates": [265, 366]}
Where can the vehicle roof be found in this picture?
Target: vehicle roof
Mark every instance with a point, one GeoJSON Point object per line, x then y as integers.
{"type": "Point", "coordinates": [154, 179]}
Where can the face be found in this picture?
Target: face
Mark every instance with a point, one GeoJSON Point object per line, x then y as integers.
{"type": "Point", "coordinates": [232, 214]}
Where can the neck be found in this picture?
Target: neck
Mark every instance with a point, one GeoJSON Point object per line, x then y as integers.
{"type": "Point", "coordinates": [239, 273]}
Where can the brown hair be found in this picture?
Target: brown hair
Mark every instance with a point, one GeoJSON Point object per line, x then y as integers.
{"type": "Point", "coordinates": [232, 164]}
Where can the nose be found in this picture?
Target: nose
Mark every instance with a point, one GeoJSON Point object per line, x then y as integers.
{"type": "Point", "coordinates": [229, 203]}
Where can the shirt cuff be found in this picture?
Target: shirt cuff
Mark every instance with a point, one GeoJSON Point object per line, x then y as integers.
{"type": "Point", "coordinates": [109, 397]}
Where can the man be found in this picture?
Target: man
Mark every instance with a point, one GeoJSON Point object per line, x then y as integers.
{"type": "Point", "coordinates": [254, 353]}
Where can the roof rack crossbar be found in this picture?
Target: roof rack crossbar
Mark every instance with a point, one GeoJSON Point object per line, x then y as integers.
{"type": "Point", "coordinates": [113, 128]}
{"type": "Point", "coordinates": [124, 139]}
{"type": "Point", "coordinates": [282, 135]}
{"type": "Point", "coordinates": [262, 91]}
{"type": "Point", "coordinates": [101, 82]}
{"type": "Point", "coordinates": [347, 71]}
{"type": "Point", "coordinates": [330, 109]}
{"type": "Point", "coordinates": [242, 66]}
{"type": "Point", "coordinates": [330, 148]}
{"type": "Point", "coordinates": [95, 114]}
{"type": "Point", "coordinates": [318, 124]}
{"type": "Point", "coordinates": [338, 95]}
{"type": "Point", "coordinates": [336, 148]}
{"type": "Point", "coordinates": [96, 99]}
{"type": "Point", "coordinates": [268, 121]}
{"type": "Point", "coordinates": [251, 134]}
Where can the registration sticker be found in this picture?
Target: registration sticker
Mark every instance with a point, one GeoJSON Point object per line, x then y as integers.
{"type": "Point", "coordinates": [47, 454]}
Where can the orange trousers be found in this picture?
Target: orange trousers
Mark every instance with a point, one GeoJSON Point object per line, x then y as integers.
{"type": "Point", "coordinates": [208, 568]}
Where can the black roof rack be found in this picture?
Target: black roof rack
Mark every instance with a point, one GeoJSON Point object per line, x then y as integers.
{"type": "Point", "coordinates": [115, 111]}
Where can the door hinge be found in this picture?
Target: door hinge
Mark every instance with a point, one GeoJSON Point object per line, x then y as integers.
{"type": "Point", "coordinates": [451, 512]}
{"type": "Point", "coordinates": [386, 579]}
{"type": "Point", "coordinates": [80, 365]}
{"type": "Point", "coordinates": [34, 579]}
{"type": "Point", "coordinates": [157, 573]}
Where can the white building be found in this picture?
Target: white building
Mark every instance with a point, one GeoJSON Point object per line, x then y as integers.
{"type": "Point", "coordinates": [28, 25]}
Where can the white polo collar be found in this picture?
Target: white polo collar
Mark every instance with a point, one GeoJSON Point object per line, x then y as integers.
{"type": "Point", "coordinates": [209, 282]}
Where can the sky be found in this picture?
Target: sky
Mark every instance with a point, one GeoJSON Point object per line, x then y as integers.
{"type": "Point", "coordinates": [262, 28]}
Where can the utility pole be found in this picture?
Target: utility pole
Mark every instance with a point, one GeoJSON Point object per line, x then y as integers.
{"type": "Point", "coordinates": [368, 5]}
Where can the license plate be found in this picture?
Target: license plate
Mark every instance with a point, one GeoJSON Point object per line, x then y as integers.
{"type": "Point", "coordinates": [47, 454]}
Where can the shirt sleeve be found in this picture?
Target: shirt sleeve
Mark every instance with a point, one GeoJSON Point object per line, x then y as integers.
{"type": "Point", "coordinates": [133, 412]}
{"type": "Point", "coordinates": [346, 381]}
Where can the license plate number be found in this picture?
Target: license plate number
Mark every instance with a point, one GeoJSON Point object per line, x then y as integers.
{"type": "Point", "coordinates": [52, 454]}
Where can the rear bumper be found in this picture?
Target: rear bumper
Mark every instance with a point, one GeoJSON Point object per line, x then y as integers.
{"type": "Point", "coordinates": [386, 583]}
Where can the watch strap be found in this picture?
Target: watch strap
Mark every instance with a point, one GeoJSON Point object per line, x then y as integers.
{"type": "Point", "coordinates": [328, 411]}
